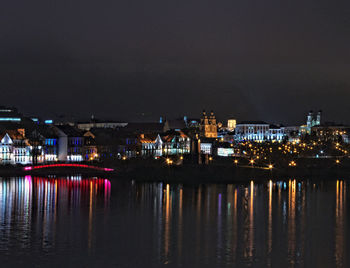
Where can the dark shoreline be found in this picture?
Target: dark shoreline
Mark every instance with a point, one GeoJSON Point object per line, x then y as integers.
{"type": "Point", "coordinates": [191, 173]}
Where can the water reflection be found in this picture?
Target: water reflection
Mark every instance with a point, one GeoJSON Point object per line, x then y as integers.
{"type": "Point", "coordinates": [339, 223]}
{"type": "Point", "coordinates": [30, 207]}
{"type": "Point", "coordinates": [287, 223]}
{"type": "Point", "coordinates": [279, 224]}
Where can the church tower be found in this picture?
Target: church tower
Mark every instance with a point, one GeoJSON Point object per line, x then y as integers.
{"type": "Point", "coordinates": [309, 120]}
{"type": "Point", "coordinates": [208, 125]}
{"type": "Point", "coordinates": [318, 118]}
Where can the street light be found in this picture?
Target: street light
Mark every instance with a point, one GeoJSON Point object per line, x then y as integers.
{"type": "Point", "coordinates": [292, 164]}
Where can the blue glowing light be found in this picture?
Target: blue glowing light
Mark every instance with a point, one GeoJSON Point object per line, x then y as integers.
{"type": "Point", "coordinates": [17, 119]}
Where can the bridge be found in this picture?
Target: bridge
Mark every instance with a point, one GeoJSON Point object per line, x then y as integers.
{"type": "Point", "coordinates": [29, 168]}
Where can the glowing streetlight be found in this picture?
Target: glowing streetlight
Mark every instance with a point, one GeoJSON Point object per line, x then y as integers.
{"type": "Point", "coordinates": [292, 164]}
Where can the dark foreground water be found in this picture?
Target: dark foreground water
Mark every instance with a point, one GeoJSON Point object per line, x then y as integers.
{"type": "Point", "coordinates": [81, 222]}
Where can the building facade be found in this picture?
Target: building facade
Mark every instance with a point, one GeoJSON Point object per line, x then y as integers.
{"type": "Point", "coordinates": [14, 148]}
{"type": "Point", "coordinates": [258, 131]}
{"type": "Point", "coordinates": [252, 131]}
{"type": "Point", "coordinates": [311, 121]}
{"type": "Point", "coordinates": [208, 125]}
{"type": "Point", "coordinates": [231, 124]}
{"type": "Point", "coordinates": [71, 140]}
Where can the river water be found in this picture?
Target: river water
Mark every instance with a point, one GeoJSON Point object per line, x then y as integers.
{"type": "Point", "coordinates": [96, 222]}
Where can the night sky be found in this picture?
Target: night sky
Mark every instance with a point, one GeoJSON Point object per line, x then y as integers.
{"type": "Point", "coordinates": [247, 59]}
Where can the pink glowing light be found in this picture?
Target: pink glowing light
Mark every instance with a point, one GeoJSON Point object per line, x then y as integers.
{"type": "Point", "coordinates": [68, 165]}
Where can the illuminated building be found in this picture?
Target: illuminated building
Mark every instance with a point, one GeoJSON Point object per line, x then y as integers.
{"type": "Point", "coordinates": [331, 132]}
{"type": "Point", "coordinates": [292, 133]}
{"type": "Point", "coordinates": [276, 133]}
{"type": "Point", "coordinates": [45, 137]}
{"type": "Point", "coordinates": [151, 145]}
{"type": "Point", "coordinates": [231, 124]}
{"type": "Point", "coordinates": [95, 123]}
{"type": "Point", "coordinates": [170, 143]}
{"type": "Point", "coordinates": [312, 121]}
{"type": "Point", "coordinates": [258, 131]}
{"type": "Point", "coordinates": [225, 151]}
{"type": "Point", "coordinates": [176, 142]}
{"type": "Point", "coordinates": [252, 131]}
{"type": "Point", "coordinates": [9, 115]}
{"type": "Point", "coordinates": [14, 148]}
{"type": "Point", "coordinates": [71, 141]}
{"type": "Point", "coordinates": [206, 146]}
{"type": "Point", "coordinates": [109, 143]}
{"type": "Point", "coordinates": [208, 125]}
{"type": "Point", "coordinates": [90, 147]}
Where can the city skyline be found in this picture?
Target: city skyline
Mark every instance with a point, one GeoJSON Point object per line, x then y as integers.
{"type": "Point", "coordinates": [162, 118]}
{"type": "Point", "coordinates": [174, 133]}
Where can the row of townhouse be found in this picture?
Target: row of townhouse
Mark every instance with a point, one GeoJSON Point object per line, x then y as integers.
{"type": "Point", "coordinates": [42, 144]}
{"type": "Point", "coordinates": [170, 143]}
{"type": "Point", "coordinates": [112, 144]}
{"type": "Point", "coordinates": [141, 140]}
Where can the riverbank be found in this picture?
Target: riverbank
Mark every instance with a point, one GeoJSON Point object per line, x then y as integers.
{"type": "Point", "coordinates": [213, 174]}
{"type": "Point", "coordinates": [227, 171]}
{"type": "Point", "coordinates": [219, 171]}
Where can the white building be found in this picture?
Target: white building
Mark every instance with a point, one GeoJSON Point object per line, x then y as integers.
{"type": "Point", "coordinates": [225, 152]}
{"type": "Point", "coordinates": [14, 148]}
{"type": "Point", "coordinates": [276, 133]}
{"type": "Point", "coordinates": [258, 131]}
{"type": "Point", "coordinates": [252, 131]}
{"type": "Point", "coordinates": [206, 146]}
{"type": "Point", "coordinates": [151, 145]}
{"type": "Point", "coordinates": [173, 143]}
{"type": "Point", "coordinates": [71, 143]}
{"type": "Point", "coordinates": [176, 143]}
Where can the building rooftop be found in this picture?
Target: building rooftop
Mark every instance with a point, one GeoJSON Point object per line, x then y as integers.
{"type": "Point", "coordinates": [252, 123]}
{"type": "Point", "coordinates": [95, 121]}
{"type": "Point", "coordinates": [14, 134]}
{"type": "Point", "coordinates": [71, 131]}
{"type": "Point", "coordinates": [145, 127]}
